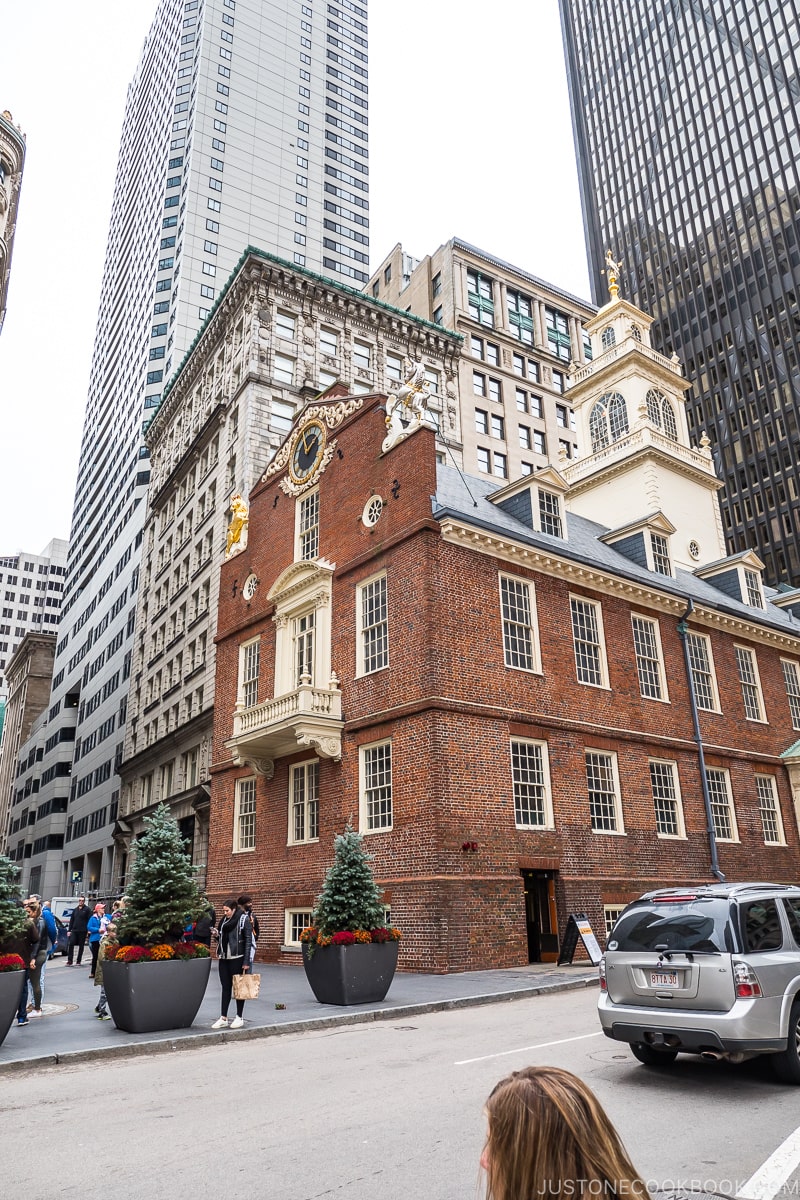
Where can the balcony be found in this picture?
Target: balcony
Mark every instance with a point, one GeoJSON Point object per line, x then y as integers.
{"type": "Point", "coordinates": [308, 716]}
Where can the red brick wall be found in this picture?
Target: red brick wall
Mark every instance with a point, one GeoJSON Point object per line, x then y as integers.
{"type": "Point", "coordinates": [451, 706]}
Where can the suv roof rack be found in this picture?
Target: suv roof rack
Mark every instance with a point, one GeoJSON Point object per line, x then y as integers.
{"type": "Point", "coordinates": [721, 889]}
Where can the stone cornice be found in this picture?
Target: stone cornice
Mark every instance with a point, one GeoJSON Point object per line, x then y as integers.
{"type": "Point", "coordinates": [578, 573]}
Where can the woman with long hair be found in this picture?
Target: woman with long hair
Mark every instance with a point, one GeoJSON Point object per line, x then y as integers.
{"type": "Point", "coordinates": [234, 937]}
{"type": "Point", "coordinates": [549, 1136]}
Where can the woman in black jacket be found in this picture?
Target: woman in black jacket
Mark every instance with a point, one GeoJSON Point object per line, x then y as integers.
{"type": "Point", "coordinates": [234, 936]}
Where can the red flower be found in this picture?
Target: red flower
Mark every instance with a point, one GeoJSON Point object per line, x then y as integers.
{"type": "Point", "coordinates": [344, 938]}
{"type": "Point", "coordinates": [11, 962]}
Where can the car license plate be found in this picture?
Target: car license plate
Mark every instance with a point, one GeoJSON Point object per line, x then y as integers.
{"type": "Point", "coordinates": [664, 979]}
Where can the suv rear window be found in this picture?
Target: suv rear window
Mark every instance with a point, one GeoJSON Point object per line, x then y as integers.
{"type": "Point", "coordinates": [761, 926]}
{"type": "Point", "coordinates": [697, 925]}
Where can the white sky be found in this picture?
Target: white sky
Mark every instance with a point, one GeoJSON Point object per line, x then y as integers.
{"type": "Point", "coordinates": [470, 135]}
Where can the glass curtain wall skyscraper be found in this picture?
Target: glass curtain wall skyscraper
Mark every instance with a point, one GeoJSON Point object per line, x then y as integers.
{"type": "Point", "coordinates": [245, 123]}
{"type": "Point", "coordinates": [686, 128]}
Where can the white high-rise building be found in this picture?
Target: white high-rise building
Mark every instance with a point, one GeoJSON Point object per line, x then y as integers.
{"type": "Point", "coordinates": [245, 123]}
{"type": "Point", "coordinates": [31, 591]}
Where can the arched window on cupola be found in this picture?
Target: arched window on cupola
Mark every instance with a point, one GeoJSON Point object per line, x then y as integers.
{"type": "Point", "coordinates": [608, 421]}
{"type": "Point", "coordinates": [636, 333]}
{"type": "Point", "coordinates": [660, 412]}
{"type": "Point", "coordinates": [608, 338]}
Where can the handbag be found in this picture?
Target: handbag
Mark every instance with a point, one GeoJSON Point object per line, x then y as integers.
{"type": "Point", "coordinates": [246, 987]}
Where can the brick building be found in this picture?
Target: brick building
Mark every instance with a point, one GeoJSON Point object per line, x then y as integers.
{"type": "Point", "coordinates": [498, 686]}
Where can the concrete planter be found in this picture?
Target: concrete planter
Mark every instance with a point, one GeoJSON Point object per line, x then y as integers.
{"type": "Point", "coordinates": [10, 989]}
{"type": "Point", "coordinates": [358, 974]}
{"type": "Point", "coordinates": [147, 996]}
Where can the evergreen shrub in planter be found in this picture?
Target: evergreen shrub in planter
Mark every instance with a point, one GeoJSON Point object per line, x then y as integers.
{"type": "Point", "coordinates": [348, 954]}
{"type": "Point", "coordinates": [12, 964]}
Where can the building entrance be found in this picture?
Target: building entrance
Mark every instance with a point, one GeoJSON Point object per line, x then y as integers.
{"type": "Point", "coordinates": [540, 915]}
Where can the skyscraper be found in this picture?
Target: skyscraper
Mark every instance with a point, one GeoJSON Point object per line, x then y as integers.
{"type": "Point", "coordinates": [686, 129]}
{"type": "Point", "coordinates": [245, 122]}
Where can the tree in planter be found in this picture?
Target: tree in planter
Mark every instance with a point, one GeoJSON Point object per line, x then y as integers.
{"type": "Point", "coordinates": [163, 894]}
{"type": "Point", "coordinates": [12, 916]}
{"type": "Point", "coordinates": [350, 899]}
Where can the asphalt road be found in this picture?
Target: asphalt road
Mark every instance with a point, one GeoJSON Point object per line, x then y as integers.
{"type": "Point", "coordinates": [388, 1110]}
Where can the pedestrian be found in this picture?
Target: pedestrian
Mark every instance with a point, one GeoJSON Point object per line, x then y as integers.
{"type": "Point", "coordinates": [234, 937]}
{"type": "Point", "coordinates": [107, 942]}
{"type": "Point", "coordinates": [246, 903]}
{"type": "Point", "coordinates": [204, 924]}
{"type": "Point", "coordinates": [77, 929]}
{"type": "Point", "coordinates": [52, 941]}
{"type": "Point", "coordinates": [95, 929]}
{"type": "Point", "coordinates": [35, 934]}
{"type": "Point", "coordinates": [549, 1136]}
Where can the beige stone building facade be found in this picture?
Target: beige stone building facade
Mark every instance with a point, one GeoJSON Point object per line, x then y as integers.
{"type": "Point", "coordinates": [278, 336]}
{"type": "Point", "coordinates": [12, 159]}
{"type": "Point", "coordinates": [29, 674]}
{"type": "Point", "coordinates": [520, 337]}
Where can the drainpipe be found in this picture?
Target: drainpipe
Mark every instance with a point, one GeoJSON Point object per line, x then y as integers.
{"type": "Point", "coordinates": [683, 629]}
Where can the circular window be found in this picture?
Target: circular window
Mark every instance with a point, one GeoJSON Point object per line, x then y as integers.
{"type": "Point", "coordinates": [694, 549]}
{"type": "Point", "coordinates": [372, 511]}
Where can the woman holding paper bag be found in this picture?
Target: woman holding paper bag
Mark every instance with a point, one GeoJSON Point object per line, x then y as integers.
{"type": "Point", "coordinates": [234, 938]}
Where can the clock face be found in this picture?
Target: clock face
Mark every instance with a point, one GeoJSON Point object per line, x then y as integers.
{"type": "Point", "coordinates": [308, 451]}
{"type": "Point", "coordinates": [249, 587]}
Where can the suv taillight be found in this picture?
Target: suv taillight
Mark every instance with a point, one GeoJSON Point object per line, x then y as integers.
{"type": "Point", "coordinates": [746, 981]}
{"type": "Point", "coordinates": [601, 970]}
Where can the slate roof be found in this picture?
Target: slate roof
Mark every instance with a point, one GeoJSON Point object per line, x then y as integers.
{"type": "Point", "coordinates": [464, 497]}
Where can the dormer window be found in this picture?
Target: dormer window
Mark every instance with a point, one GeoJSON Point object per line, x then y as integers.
{"type": "Point", "coordinates": [550, 513]}
{"type": "Point", "coordinates": [608, 337]}
{"type": "Point", "coordinates": [752, 582]}
{"type": "Point", "coordinates": [608, 421]}
{"type": "Point", "coordinates": [738, 576]}
{"type": "Point", "coordinates": [661, 414]}
{"type": "Point", "coordinates": [660, 550]}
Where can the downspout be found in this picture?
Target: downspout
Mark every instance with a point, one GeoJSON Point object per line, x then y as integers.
{"type": "Point", "coordinates": [683, 629]}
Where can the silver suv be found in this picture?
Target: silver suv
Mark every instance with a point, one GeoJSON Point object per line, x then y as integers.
{"type": "Point", "coordinates": [711, 970]}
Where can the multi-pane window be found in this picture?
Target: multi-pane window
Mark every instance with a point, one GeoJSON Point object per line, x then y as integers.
{"type": "Point", "coordinates": [481, 421]}
{"type": "Point", "coordinates": [608, 421]}
{"type": "Point", "coordinates": [659, 411]}
{"type": "Point", "coordinates": [478, 383]}
{"type": "Point", "coordinates": [484, 459]}
{"type": "Point", "coordinates": [557, 325]}
{"type": "Point", "coordinates": [753, 586]}
{"type": "Point", "coordinates": [647, 649]}
{"type": "Point", "coordinates": [498, 427]}
{"type": "Point", "coordinates": [500, 465]}
{"type": "Point", "coordinates": [520, 316]}
{"type": "Point", "coordinates": [519, 631]}
{"type": "Point", "coordinates": [587, 641]}
{"type": "Point", "coordinates": [705, 691]}
{"type": "Point", "coordinates": [525, 440]}
{"type": "Point", "coordinates": [296, 920]}
{"type": "Point", "coordinates": [722, 813]}
{"type": "Point", "coordinates": [374, 625]}
{"type": "Point", "coordinates": [770, 810]}
{"type": "Point", "coordinates": [601, 783]}
{"type": "Point", "coordinates": [361, 355]}
{"type": "Point", "coordinates": [550, 513]}
{"type": "Point", "coordinates": [285, 325]}
{"type": "Point", "coordinates": [611, 914]}
{"type": "Point", "coordinates": [522, 400]}
{"type": "Point", "coordinates": [304, 790]}
{"type": "Point", "coordinates": [660, 548]}
{"type": "Point", "coordinates": [791, 677]}
{"type": "Point", "coordinates": [304, 648]}
{"type": "Point", "coordinates": [747, 667]}
{"type": "Point", "coordinates": [496, 390]}
{"type": "Point", "coordinates": [250, 661]}
{"type": "Point", "coordinates": [531, 783]}
{"type": "Point", "coordinates": [329, 343]}
{"type": "Point", "coordinates": [376, 787]}
{"type": "Point", "coordinates": [480, 301]}
{"type": "Point", "coordinates": [308, 531]}
{"type": "Point", "coordinates": [284, 368]}
{"type": "Point", "coordinates": [244, 817]}
{"type": "Point", "coordinates": [666, 798]}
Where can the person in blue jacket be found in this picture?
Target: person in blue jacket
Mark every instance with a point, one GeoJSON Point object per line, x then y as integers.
{"type": "Point", "coordinates": [95, 933]}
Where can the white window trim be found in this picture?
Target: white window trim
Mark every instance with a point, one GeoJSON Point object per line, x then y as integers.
{"type": "Point", "coordinates": [612, 754]}
{"type": "Point", "coordinates": [680, 836]}
{"type": "Point", "coordinates": [608, 910]}
{"type": "Point", "coordinates": [732, 808]}
{"type": "Point", "coordinates": [236, 848]}
{"type": "Point", "coordinates": [664, 698]}
{"type": "Point", "coordinates": [288, 913]}
{"type": "Point", "coordinates": [793, 663]}
{"type": "Point", "coordinates": [291, 840]}
{"type": "Point", "coordinates": [314, 491]}
{"type": "Point", "coordinates": [240, 684]}
{"type": "Point", "coordinates": [778, 814]}
{"type": "Point", "coordinates": [302, 588]}
{"type": "Point", "coordinates": [361, 670]}
{"type": "Point", "coordinates": [536, 669]}
{"type": "Point", "coordinates": [549, 818]}
{"type": "Point", "coordinates": [562, 516]}
{"type": "Point", "coordinates": [604, 683]}
{"type": "Point", "coordinates": [362, 788]}
{"type": "Point", "coordinates": [762, 720]}
{"type": "Point", "coordinates": [712, 668]}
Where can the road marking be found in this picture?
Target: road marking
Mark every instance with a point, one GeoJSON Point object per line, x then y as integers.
{"type": "Point", "coordinates": [541, 1046]}
{"type": "Point", "coordinates": [771, 1175]}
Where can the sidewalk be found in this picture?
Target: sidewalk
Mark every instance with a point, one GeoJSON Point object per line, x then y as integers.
{"type": "Point", "coordinates": [70, 1032]}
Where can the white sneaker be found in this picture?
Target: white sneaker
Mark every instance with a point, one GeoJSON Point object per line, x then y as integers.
{"type": "Point", "coordinates": [36, 1012]}
{"type": "Point", "coordinates": [237, 1022]}
{"type": "Point", "coordinates": [220, 1023]}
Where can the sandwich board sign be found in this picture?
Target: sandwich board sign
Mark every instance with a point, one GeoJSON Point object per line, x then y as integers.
{"type": "Point", "coordinates": [579, 926]}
